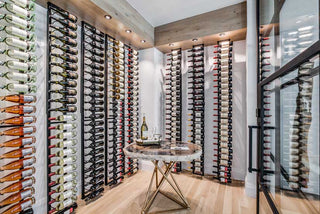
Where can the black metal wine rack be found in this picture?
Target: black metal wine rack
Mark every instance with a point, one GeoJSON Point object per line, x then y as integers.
{"type": "Point", "coordinates": [132, 104]}
{"type": "Point", "coordinates": [61, 99]}
{"type": "Point", "coordinates": [173, 100]}
{"type": "Point", "coordinates": [116, 111]}
{"type": "Point", "coordinates": [17, 130]}
{"type": "Point", "coordinates": [93, 136]}
{"type": "Point", "coordinates": [223, 108]}
{"type": "Point", "coordinates": [196, 104]}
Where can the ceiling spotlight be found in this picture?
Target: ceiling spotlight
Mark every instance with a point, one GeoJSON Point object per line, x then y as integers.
{"type": "Point", "coordinates": [195, 40]}
{"type": "Point", "coordinates": [128, 31]}
{"type": "Point", "coordinates": [171, 44]}
{"type": "Point", "coordinates": [108, 17]}
{"type": "Point", "coordinates": [222, 34]}
{"type": "Point", "coordinates": [143, 41]}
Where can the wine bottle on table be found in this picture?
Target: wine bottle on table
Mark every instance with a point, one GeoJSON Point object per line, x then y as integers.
{"type": "Point", "coordinates": [144, 129]}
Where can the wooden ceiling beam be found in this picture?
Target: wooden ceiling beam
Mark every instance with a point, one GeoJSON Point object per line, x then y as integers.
{"type": "Point", "coordinates": [227, 19]}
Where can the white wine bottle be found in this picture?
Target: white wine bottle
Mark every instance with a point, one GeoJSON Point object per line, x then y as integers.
{"type": "Point", "coordinates": [144, 129]}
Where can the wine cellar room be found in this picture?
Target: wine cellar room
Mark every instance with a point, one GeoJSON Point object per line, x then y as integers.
{"type": "Point", "coordinates": [139, 106]}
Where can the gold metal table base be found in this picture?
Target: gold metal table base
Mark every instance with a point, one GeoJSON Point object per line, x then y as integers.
{"type": "Point", "coordinates": [165, 177]}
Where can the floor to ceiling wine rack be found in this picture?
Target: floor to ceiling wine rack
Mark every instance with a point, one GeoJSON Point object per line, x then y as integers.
{"type": "Point", "coordinates": [18, 108]}
{"type": "Point", "coordinates": [173, 103]}
{"type": "Point", "coordinates": [223, 108]}
{"type": "Point", "coordinates": [61, 97]}
{"type": "Point", "coordinates": [196, 104]}
{"type": "Point", "coordinates": [93, 136]}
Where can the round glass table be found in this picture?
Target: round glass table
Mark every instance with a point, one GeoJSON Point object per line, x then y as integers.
{"type": "Point", "coordinates": [168, 153]}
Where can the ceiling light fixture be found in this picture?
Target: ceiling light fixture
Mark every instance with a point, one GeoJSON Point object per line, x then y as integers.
{"type": "Point", "coordinates": [128, 31]}
{"type": "Point", "coordinates": [171, 44]}
{"type": "Point", "coordinates": [222, 34]}
{"type": "Point", "coordinates": [108, 17]}
{"type": "Point", "coordinates": [195, 40]}
{"type": "Point", "coordinates": [143, 41]}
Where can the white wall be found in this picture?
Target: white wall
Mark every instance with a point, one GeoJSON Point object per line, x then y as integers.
{"type": "Point", "coordinates": [151, 93]}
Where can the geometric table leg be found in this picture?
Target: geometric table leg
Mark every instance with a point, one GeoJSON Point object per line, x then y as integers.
{"type": "Point", "coordinates": [165, 177]}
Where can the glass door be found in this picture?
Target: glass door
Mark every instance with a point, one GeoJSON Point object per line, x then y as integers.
{"type": "Point", "coordinates": [288, 104]}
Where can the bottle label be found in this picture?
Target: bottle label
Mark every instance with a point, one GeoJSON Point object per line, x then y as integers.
{"type": "Point", "coordinates": [28, 162]}
{"type": "Point", "coordinates": [67, 178]}
{"type": "Point", "coordinates": [27, 130]}
{"type": "Point", "coordinates": [67, 169]}
{"type": "Point", "coordinates": [67, 160]}
{"type": "Point", "coordinates": [25, 194]}
{"type": "Point", "coordinates": [67, 143]}
{"type": "Point", "coordinates": [28, 119]}
{"type": "Point", "coordinates": [26, 141]}
{"type": "Point", "coordinates": [27, 173]}
{"type": "Point", "coordinates": [67, 203]}
{"type": "Point", "coordinates": [27, 151]}
{"type": "Point", "coordinates": [27, 183]}
{"type": "Point", "coordinates": [18, 21]}
{"type": "Point", "coordinates": [28, 99]}
{"type": "Point", "coordinates": [28, 109]}
{"type": "Point", "coordinates": [144, 134]}
{"type": "Point", "coordinates": [26, 204]}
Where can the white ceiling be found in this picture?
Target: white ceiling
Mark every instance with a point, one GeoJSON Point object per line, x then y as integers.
{"type": "Point", "coordinates": [159, 12]}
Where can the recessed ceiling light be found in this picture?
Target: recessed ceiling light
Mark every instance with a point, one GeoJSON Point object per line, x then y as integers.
{"type": "Point", "coordinates": [171, 44]}
{"type": "Point", "coordinates": [195, 40]}
{"type": "Point", "coordinates": [128, 31]}
{"type": "Point", "coordinates": [143, 41]}
{"type": "Point", "coordinates": [108, 17]}
{"type": "Point", "coordinates": [222, 34]}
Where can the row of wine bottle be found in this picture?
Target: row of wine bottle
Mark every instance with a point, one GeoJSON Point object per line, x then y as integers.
{"type": "Point", "coordinates": [18, 62]}
{"type": "Point", "coordinates": [61, 106]}
{"type": "Point", "coordinates": [196, 104]}
{"type": "Point", "coordinates": [223, 107]}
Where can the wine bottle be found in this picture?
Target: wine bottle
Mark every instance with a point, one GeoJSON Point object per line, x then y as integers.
{"type": "Point", "coordinates": [67, 100]}
{"type": "Point", "coordinates": [22, 34]}
{"type": "Point", "coordinates": [66, 49]}
{"type": "Point", "coordinates": [63, 170]}
{"type": "Point", "coordinates": [65, 40]}
{"type": "Point", "coordinates": [26, 130]}
{"type": "Point", "coordinates": [67, 92]}
{"type": "Point", "coordinates": [25, 56]}
{"type": "Point", "coordinates": [19, 77]}
{"type": "Point", "coordinates": [19, 11]}
{"type": "Point", "coordinates": [20, 206]}
{"type": "Point", "coordinates": [66, 57]}
{"type": "Point", "coordinates": [19, 109]}
{"type": "Point", "coordinates": [18, 186]}
{"type": "Point", "coordinates": [65, 66]}
{"type": "Point", "coordinates": [64, 144]}
{"type": "Point", "coordinates": [18, 153]}
{"type": "Point", "coordinates": [64, 118]}
{"type": "Point", "coordinates": [70, 108]}
{"type": "Point", "coordinates": [64, 161]}
{"type": "Point", "coordinates": [144, 129]}
{"type": "Point", "coordinates": [66, 178]}
{"type": "Point", "coordinates": [19, 22]}
{"type": "Point", "coordinates": [18, 164]}
{"type": "Point", "coordinates": [68, 83]}
{"type": "Point", "coordinates": [22, 88]}
{"type": "Point", "coordinates": [19, 120]}
{"type": "Point", "coordinates": [18, 175]}
{"type": "Point", "coordinates": [18, 142]}
{"type": "Point", "coordinates": [64, 31]}
{"type": "Point", "coordinates": [26, 4]}
{"type": "Point", "coordinates": [25, 46]}
{"type": "Point", "coordinates": [63, 135]}
{"type": "Point", "coordinates": [14, 198]}
{"type": "Point", "coordinates": [19, 98]}
{"type": "Point", "coordinates": [69, 75]}
{"type": "Point", "coordinates": [95, 66]}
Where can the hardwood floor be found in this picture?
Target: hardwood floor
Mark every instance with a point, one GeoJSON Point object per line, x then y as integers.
{"type": "Point", "coordinates": [204, 195]}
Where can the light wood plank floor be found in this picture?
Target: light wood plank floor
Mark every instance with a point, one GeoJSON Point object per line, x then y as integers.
{"type": "Point", "coordinates": [204, 195]}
